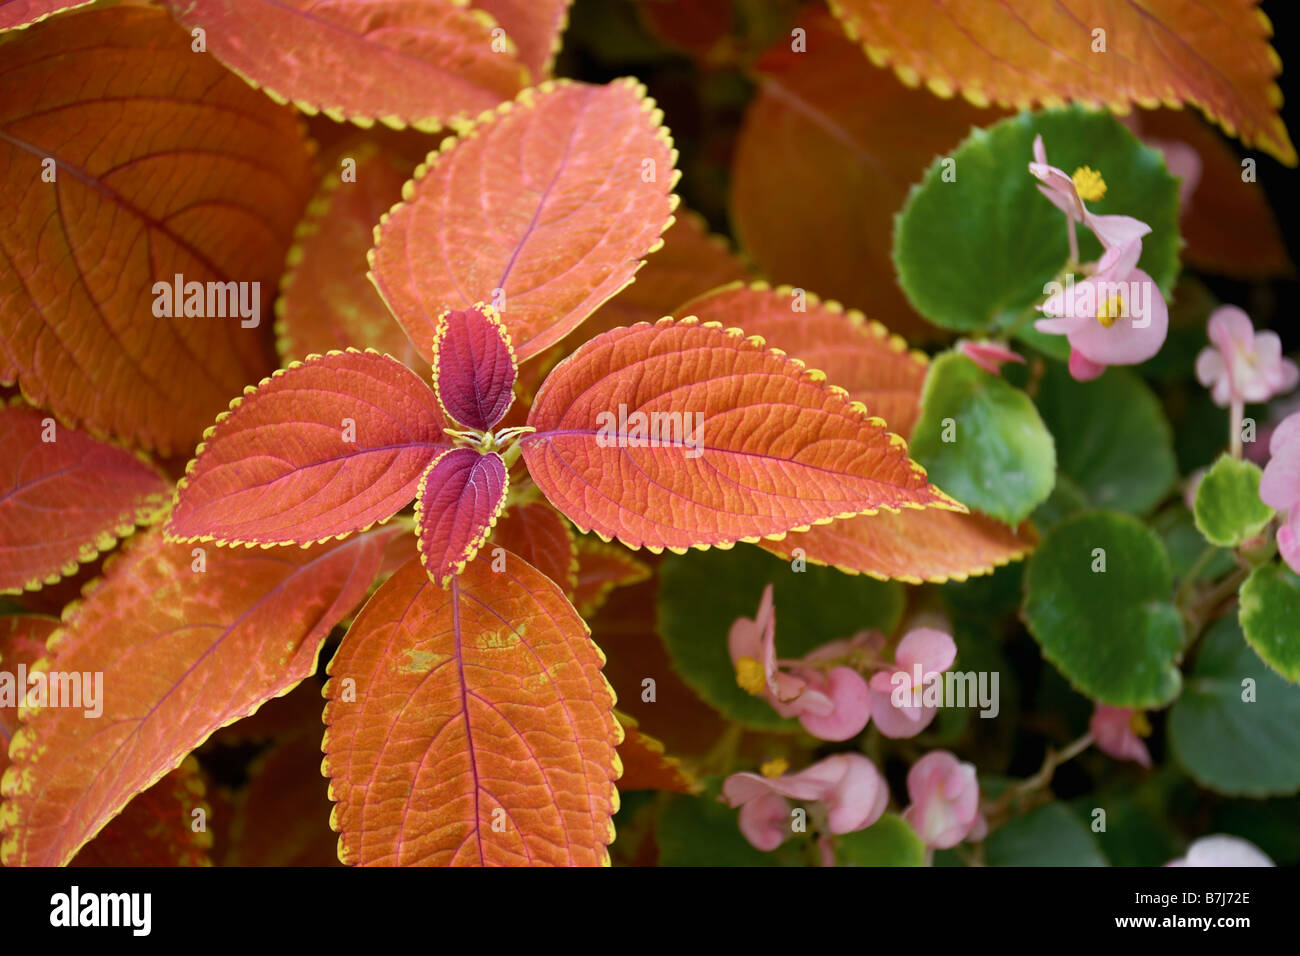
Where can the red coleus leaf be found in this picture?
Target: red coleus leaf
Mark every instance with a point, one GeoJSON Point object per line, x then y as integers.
{"type": "Point", "coordinates": [858, 355]}
{"type": "Point", "coordinates": [129, 160]}
{"type": "Point", "coordinates": [1214, 54]}
{"type": "Point", "coordinates": [326, 302]}
{"type": "Point", "coordinates": [646, 766]}
{"type": "Point", "coordinates": [473, 367]}
{"type": "Point", "coordinates": [21, 13]}
{"type": "Point", "coordinates": [427, 64]}
{"type": "Point", "coordinates": [911, 546]}
{"type": "Point", "coordinates": [461, 493]}
{"type": "Point", "coordinates": [602, 568]}
{"type": "Point", "coordinates": [470, 725]}
{"type": "Point", "coordinates": [684, 434]}
{"type": "Point", "coordinates": [167, 825]}
{"type": "Point", "coordinates": [318, 450]}
{"type": "Point", "coordinates": [65, 497]}
{"type": "Point", "coordinates": [535, 26]}
{"type": "Point", "coordinates": [543, 209]}
{"type": "Point", "coordinates": [183, 642]}
{"type": "Point", "coordinates": [539, 534]}
{"type": "Point", "coordinates": [22, 642]}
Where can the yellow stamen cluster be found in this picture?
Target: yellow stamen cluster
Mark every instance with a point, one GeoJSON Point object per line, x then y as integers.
{"type": "Point", "coordinates": [774, 767]}
{"type": "Point", "coordinates": [1139, 724]}
{"type": "Point", "coordinates": [751, 676]}
{"type": "Point", "coordinates": [1110, 310]}
{"type": "Point", "coordinates": [1089, 184]}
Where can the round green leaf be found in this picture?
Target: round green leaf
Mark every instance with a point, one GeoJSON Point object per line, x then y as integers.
{"type": "Point", "coordinates": [1236, 727]}
{"type": "Point", "coordinates": [1270, 616]}
{"type": "Point", "coordinates": [981, 440]}
{"type": "Point", "coordinates": [1112, 633]}
{"type": "Point", "coordinates": [1048, 836]}
{"type": "Point", "coordinates": [976, 242]}
{"type": "Point", "coordinates": [890, 841]}
{"type": "Point", "coordinates": [701, 594]}
{"type": "Point", "coordinates": [1227, 506]}
{"type": "Point", "coordinates": [1112, 438]}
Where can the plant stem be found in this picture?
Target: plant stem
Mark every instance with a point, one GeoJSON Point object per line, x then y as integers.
{"type": "Point", "coordinates": [1234, 426]}
{"type": "Point", "coordinates": [1193, 573]}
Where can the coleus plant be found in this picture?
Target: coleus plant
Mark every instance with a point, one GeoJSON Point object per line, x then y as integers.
{"type": "Point", "coordinates": [411, 477]}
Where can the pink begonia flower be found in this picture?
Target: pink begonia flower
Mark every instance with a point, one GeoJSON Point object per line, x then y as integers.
{"type": "Point", "coordinates": [1223, 850]}
{"type": "Point", "coordinates": [1243, 365]}
{"type": "Point", "coordinates": [1067, 193]}
{"type": "Point", "coordinates": [945, 801]}
{"type": "Point", "coordinates": [1115, 316]}
{"type": "Point", "coordinates": [1116, 731]}
{"type": "Point", "coordinates": [831, 705]}
{"type": "Point", "coordinates": [897, 693]}
{"type": "Point", "coordinates": [990, 355]}
{"type": "Point", "coordinates": [850, 790]}
{"type": "Point", "coordinates": [1279, 487]}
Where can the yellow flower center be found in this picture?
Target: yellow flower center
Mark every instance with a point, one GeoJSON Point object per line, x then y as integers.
{"type": "Point", "coordinates": [751, 676]}
{"type": "Point", "coordinates": [1139, 724]}
{"type": "Point", "coordinates": [1089, 184]}
{"type": "Point", "coordinates": [1110, 310]}
{"type": "Point", "coordinates": [774, 767]}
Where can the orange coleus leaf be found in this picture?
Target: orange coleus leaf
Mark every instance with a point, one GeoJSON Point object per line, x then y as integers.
{"type": "Point", "coordinates": [460, 495]}
{"type": "Point", "coordinates": [326, 302]}
{"type": "Point", "coordinates": [318, 450]}
{"type": "Point", "coordinates": [15, 14]}
{"type": "Point", "coordinates": [645, 764]}
{"type": "Point", "coordinates": [1228, 224]}
{"type": "Point", "coordinates": [183, 642]}
{"type": "Point", "coordinates": [130, 160]}
{"type": "Point", "coordinates": [539, 534]}
{"type": "Point", "coordinates": [471, 725]}
{"type": "Point", "coordinates": [912, 546]}
{"type": "Point", "coordinates": [65, 497]}
{"type": "Point", "coordinates": [536, 27]}
{"type": "Point", "coordinates": [166, 825]}
{"type": "Point", "coordinates": [818, 176]}
{"type": "Point", "coordinates": [683, 434]}
{"type": "Point", "coordinates": [428, 64]}
{"type": "Point", "coordinates": [1213, 54]}
{"type": "Point", "coordinates": [543, 209]}
{"type": "Point", "coordinates": [603, 567]}
{"type": "Point", "coordinates": [691, 262]}
{"type": "Point", "coordinates": [22, 643]}
{"type": "Point", "coordinates": [857, 354]}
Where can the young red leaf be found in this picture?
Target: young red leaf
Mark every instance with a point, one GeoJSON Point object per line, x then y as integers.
{"type": "Point", "coordinates": [535, 26]}
{"type": "Point", "coordinates": [602, 568]}
{"type": "Point", "coordinates": [473, 367]}
{"type": "Point", "coordinates": [428, 64]}
{"type": "Point", "coordinates": [130, 160]}
{"type": "Point", "coordinates": [16, 14]}
{"type": "Point", "coordinates": [543, 209]}
{"type": "Point", "coordinates": [858, 355]}
{"type": "Point", "coordinates": [911, 546]}
{"type": "Point", "coordinates": [461, 493]}
{"type": "Point", "coordinates": [64, 498]}
{"type": "Point", "coordinates": [480, 731]}
{"type": "Point", "coordinates": [326, 302]}
{"type": "Point", "coordinates": [540, 535]}
{"type": "Point", "coordinates": [318, 450]}
{"type": "Point", "coordinates": [645, 764]}
{"type": "Point", "coordinates": [1214, 55]}
{"type": "Point", "coordinates": [186, 642]}
{"type": "Point", "coordinates": [680, 434]}
{"type": "Point", "coordinates": [22, 641]}
{"type": "Point", "coordinates": [157, 828]}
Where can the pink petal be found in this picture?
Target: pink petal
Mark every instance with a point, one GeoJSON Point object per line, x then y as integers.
{"type": "Point", "coordinates": [1082, 368]}
{"type": "Point", "coordinates": [859, 797]}
{"type": "Point", "coordinates": [932, 649]}
{"type": "Point", "coordinates": [990, 355]}
{"type": "Point", "coordinates": [1115, 230]}
{"type": "Point", "coordinates": [1279, 486]}
{"type": "Point", "coordinates": [1286, 432]}
{"type": "Point", "coordinates": [765, 822]}
{"type": "Point", "coordinates": [1288, 539]}
{"type": "Point", "coordinates": [1111, 728]}
{"type": "Point", "coordinates": [1132, 339]}
{"type": "Point", "coordinates": [1223, 850]}
{"type": "Point", "coordinates": [899, 722]}
{"type": "Point", "coordinates": [945, 800]}
{"type": "Point", "coordinates": [851, 707]}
